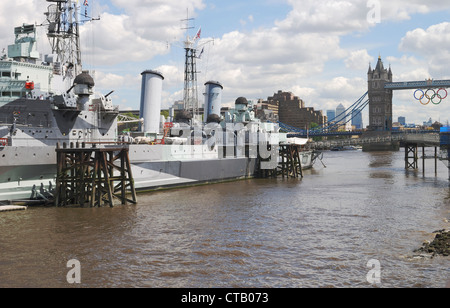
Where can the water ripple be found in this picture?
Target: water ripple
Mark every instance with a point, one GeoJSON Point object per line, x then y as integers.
{"type": "Point", "coordinates": [318, 232]}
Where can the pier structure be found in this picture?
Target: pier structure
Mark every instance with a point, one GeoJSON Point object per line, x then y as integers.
{"type": "Point", "coordinates": [289, 163]}
{"type": "Point", "coordinates": [412, 144]}
{"type": "Point", "coordinates": [93, 176]}
{"type": "Point", "coordinates": [445, 146]}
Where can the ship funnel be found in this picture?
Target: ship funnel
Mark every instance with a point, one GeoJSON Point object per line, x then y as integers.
{"type": "Point", "coordinates": [213, 101]}
{"type": "Point", "coordinates": [151, 94]}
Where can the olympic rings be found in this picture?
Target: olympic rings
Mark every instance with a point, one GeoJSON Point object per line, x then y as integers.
{"type": "Point", "coordinates": [423, 94]}
{"type": "Point", "coordinates": [446, 93]}
{"type": "Point", "coordinates": [432, 98]}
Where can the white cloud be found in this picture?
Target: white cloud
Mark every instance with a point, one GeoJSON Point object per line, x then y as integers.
{"type": "Point", "coordinates": [158, 20]}
{"type": "Point", "coordinates": [111, 41]}
{"type": "Point", "coordinates": [433, 44]}
{"type": "Point", "coordinates": [358, 60]}
{"type": "Point", "coordinates": [262, 61]}
{"type": "Point", "coordinates": [326, 16]}
{"type": "Point", "coordinates": [16, 13]}
{"type": "Point", "coordinates": [409, 68]}
{"type": "Point", "coordinates": [114, 81]}
{"type": "Point", "coordinates": [399, 10]}
{"type": "Point", "coordinates": [345, 16]}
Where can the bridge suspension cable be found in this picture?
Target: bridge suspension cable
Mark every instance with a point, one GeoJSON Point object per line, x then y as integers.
{"type": "Point", "coordinates": [354, 112]}
{"type": "Point", "coordinates": [354, 109]}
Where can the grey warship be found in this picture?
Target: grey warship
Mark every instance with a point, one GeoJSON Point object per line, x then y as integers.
{"type": "Point", "coordinates": [50, 101]}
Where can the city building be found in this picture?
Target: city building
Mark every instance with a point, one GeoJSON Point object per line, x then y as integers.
{"type": "Point", "coordinates": [293, 111]}
{"type": "Point", "coordinates": [341, 116]}
{"type": "Point", "coordinates": [402, 121]}
{"type": "Point", "coordinates": [429, 123]}
{"type": "Point", "coordinates": [357, 119]}
{"type": "Point", "coordinates": [267, 111]}
{"type": "Point", "coordinates": [331, 115]}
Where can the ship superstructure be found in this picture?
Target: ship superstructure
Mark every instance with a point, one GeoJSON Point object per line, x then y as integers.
{"type": "Point", "coordinates": [52, 102]}
{"type": "Point", "coordinates": [51, 99]}
{"type": "Point", "coordinates": [22, 73]}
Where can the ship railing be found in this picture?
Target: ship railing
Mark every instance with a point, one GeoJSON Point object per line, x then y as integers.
{"type": "Point", "coordinates": [93, 144]}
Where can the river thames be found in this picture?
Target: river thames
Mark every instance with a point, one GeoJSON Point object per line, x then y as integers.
{"type": "Point", "coordinates": [321, 231]}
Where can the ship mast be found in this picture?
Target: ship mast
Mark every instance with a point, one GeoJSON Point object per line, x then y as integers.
{"type": "Point", "coordinates": [64, 36]}
{"type": "Point", "coordinates": [190, 71]}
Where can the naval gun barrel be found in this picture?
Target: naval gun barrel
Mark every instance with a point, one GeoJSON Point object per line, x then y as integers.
{"type": "Point", "coordinates": [106, 96]}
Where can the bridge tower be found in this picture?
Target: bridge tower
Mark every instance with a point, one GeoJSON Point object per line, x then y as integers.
{"type": "Point", "coordinates": [380, 106]}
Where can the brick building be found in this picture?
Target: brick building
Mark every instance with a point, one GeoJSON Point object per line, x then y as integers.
{"type": "Point", "coordinates": [291, 110]}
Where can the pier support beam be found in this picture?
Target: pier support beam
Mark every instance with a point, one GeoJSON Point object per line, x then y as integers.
{"type": "Point", "coordinates": [94, 177]}
{"type": "Point", "coordinates": [436, 161]}
{"type": "Point", "coordinates": [423, 160]}
{"type": "Point", "coordinates": [411, 156]}
{"type": "Point", "coordinates": [448, 162]}
{"type": "Point", "coordinates": [289, 165]}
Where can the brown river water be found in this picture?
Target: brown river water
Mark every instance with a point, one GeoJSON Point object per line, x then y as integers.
{"type": "Point", "coordinates": [317, 232]}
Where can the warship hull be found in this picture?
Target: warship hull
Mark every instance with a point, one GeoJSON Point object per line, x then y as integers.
{"type": "Point", "coordinates": [29, 173]}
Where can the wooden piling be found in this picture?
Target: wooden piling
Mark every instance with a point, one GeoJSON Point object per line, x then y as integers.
{"type": "Point", "coordinates": [436, 161]}
{"type": "Point", "coordinates": [94, 177]}
{"type": "Point", "coordinates": [423, 159]}
{"type": "Point", "coordinates": [289, 165]}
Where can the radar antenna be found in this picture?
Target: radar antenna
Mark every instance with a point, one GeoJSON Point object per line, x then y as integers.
{"type": "Point", "coordinates": [63, 17]}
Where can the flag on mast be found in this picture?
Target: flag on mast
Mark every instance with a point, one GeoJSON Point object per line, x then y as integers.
{"type": "Point", "coordinates": [86, 4]}
{"type": "Point", "coordinates": [199, 33]}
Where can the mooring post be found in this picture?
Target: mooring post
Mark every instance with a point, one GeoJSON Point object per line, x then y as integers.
{"type": "Point", "coordinates": [423, 159]}
{"type": "Point", "coordinates": [435, 161]}
{"type": "Point", "coordinates": [298, 161]}
{"type": "Point", "coordinates": [448, 162]}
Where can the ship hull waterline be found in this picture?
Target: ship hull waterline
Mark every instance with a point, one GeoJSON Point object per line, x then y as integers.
{"type": "Point", "coordinates": [22, 182]}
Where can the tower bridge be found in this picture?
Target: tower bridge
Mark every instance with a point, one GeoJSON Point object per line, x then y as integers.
{"type": "Point", "coordinates": [378, 99]}
{"type": "Point", "coordinates": [379, 134]}
{"type": "Point", "coordinates": [414, 85]}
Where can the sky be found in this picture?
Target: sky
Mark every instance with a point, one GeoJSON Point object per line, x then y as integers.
{"type": "Point", "coordinates": [318, 50]}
